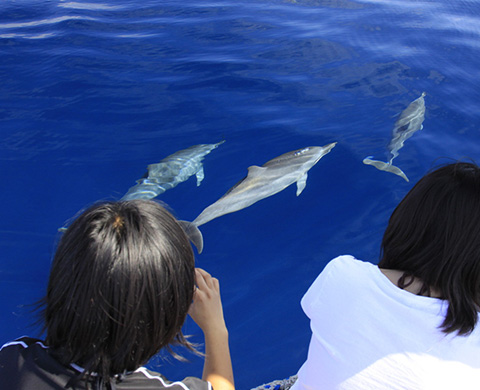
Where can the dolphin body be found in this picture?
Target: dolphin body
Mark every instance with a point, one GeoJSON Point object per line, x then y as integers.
{"type": "Point", "coordinates": [408, 123]}
{"type": "Point", "coordinates": [261, 182]}
{"type": "Point", "coordinates": [171, 171]}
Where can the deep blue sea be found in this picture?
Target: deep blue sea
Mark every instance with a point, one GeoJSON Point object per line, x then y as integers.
{"type": "Point", "coordinates": [92, 92]}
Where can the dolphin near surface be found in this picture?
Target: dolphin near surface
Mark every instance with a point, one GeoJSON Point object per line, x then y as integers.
{"type": "Point", "coordinates": [171, 171]}
{"type": "Point", "coordinates": [260, 182]}
{"type": "Point", "coordinates": [409, 122]}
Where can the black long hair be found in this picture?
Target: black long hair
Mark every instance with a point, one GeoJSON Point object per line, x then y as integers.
{"type": "Point", "coordinates": [120, 286]}
{"type": "Point", "coordinates": [434, 235]}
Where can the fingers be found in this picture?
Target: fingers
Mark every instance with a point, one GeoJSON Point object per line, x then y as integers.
{"type": "Point", "coordinates": [205, 281]}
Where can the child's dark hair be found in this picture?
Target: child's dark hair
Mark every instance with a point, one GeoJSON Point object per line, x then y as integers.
{"type": "Point", "coordinates": [121, 283]}
{"type": "Point", "coordinates": [434, 235]}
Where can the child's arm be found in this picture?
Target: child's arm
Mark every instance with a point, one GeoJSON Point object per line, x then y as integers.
{"type": "Point", "coordinates": [207, 312]}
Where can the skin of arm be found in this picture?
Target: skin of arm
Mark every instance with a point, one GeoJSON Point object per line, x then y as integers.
{"type": "Point", "coordinates": [207, 312]}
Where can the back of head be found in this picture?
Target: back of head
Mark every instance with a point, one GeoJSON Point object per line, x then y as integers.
{"type": "Point", "coordinates": [120, 286]}
{"type": "Point", "coordinates": [434, 235]}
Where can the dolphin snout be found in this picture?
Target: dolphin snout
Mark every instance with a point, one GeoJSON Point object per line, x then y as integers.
{"type": "Point", "coordinates": [329, 146]}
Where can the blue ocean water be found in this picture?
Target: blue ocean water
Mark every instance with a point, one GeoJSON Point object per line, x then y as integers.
{"type": "Point", "coordinates": [92, 92]}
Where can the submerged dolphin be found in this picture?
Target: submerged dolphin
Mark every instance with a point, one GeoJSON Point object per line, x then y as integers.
{"type": "Point", "coordinates": [171, 171]}
{"type": "Point", "coordinates": [409, 122]}
{"type": "Point", "coordinates": [261, 182]}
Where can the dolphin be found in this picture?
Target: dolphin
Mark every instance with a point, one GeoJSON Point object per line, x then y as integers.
{"type": "Point", "coordinates": [260, 182]}
{"type": "Point", "coordinates": [171, 171]}
{"type": "Point", "coordinates": [409, 122]}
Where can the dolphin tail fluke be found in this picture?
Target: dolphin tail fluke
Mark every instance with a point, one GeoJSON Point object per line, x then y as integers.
{"type": "Point", "coordinates": [387, 167]}
{"type": "Point", "coordinates": [193, 233]}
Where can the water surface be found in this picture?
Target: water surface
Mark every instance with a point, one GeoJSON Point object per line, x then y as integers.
{"type": "Point", "coordinates": [93, 92]}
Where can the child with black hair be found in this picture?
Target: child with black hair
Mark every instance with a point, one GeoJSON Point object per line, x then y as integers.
{"type": "Point", "coordinates": [121, 284]}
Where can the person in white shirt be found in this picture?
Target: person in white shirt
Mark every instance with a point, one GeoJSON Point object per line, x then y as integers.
{"type": "Point", "coordinates": [410, 322]}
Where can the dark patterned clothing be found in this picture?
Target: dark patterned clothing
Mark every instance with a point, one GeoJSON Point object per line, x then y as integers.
{"type": "Point", "coordinates": [26, 364]}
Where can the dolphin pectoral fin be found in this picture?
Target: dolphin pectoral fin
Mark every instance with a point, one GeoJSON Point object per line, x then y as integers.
{"type": "Point", "coordinates": [193, 233]}
{"type": "Point", "coordinates": [301, 183]}
{"type": "Point", "coordinates": [387, 167]}
{"type": "Point", "coordinates": [200, 175]}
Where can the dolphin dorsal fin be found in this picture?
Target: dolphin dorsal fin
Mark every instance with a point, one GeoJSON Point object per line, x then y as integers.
{"type": "Point", "coordinates": [255, 170]}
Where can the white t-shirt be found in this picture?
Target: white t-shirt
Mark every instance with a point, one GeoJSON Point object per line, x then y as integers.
{"type": "Point", "coordinates": [368, 334]}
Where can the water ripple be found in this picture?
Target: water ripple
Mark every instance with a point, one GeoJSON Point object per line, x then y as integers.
{"type": "Point", "coordinates": [28, 36]}
{"type": "Point", "coordinates": [90, 6]}
{"type": "Point", "coordinates": [43, 22]}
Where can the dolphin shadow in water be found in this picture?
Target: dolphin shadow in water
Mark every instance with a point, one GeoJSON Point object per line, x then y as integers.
{"type": "Point", "coordinates": [260, 182]}
{"type": "Point", "coordinates": [408, 123]}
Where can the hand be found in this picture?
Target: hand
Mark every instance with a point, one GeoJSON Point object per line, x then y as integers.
{"type": "Point", "coordinates": [206, 309]}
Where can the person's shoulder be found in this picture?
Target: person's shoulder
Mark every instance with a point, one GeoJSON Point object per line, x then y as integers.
{"type": "Point", "coordinates": [21, 343]}
{"type": "Point", "coordinates": [14, 355]}
{"type": "Point", "coordinates": [159, 381]}
{"type": "Point", "coordinates": [342, 271]}
{"type": "Point", "coordinates": [344, 265]}
{"type": "Point", "coordinates": [346, 261]}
